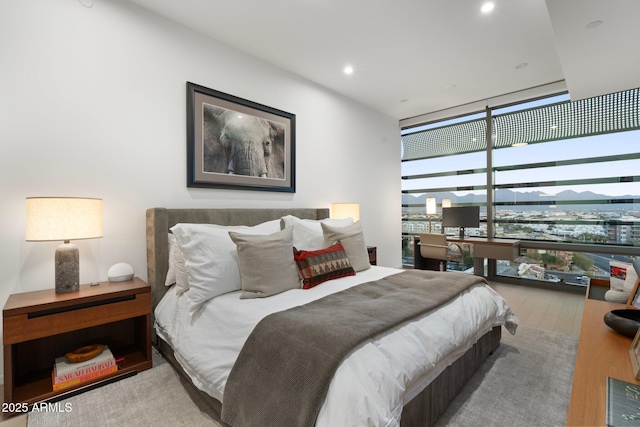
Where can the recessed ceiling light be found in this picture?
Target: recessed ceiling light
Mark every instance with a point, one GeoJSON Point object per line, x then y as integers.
{"type": "Point", "coordinates": [348, 70]}
{"type": "Point", "coordinates": [594, 24]}
{"type": "Point", "coordinates": [520, 144]}
{"type": "Point", "coordinates": [487, 7]}
{"type": "Point", "coordinates": [521, 65]}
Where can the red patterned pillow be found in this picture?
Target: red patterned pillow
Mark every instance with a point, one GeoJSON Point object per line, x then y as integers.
{"type": "Point", "coordinates": [319, 266]}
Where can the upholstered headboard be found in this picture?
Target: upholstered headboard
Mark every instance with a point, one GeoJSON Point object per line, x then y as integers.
{"type": "Point", "coordinates": [160, 220]}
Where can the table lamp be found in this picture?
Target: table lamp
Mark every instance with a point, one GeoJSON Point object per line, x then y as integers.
{"type": "Point", "coordinates": [431, 209]}
{"type": "Point", "coordinates": [64, 218]}
{"type": "Point", "coordinates": [446, 203]}
{"type": "Point", "coordinates": [346, 210]}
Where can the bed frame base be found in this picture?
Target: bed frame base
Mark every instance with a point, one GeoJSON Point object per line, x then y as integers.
{"type": "Point", "coordinates": [167, 352]}
{"type": "Point", "coordinates": [426, 407]}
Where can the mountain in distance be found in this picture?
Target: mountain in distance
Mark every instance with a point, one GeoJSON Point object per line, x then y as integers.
{"type": "Point", "coordinates": [509, 196]}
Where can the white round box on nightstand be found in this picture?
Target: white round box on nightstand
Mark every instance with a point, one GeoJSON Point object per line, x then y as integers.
{"type": "Point", "coordinates": [120, 272]}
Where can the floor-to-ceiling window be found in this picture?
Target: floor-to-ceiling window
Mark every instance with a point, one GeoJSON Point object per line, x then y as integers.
{"type": "Point", "coordinates": [564, 176]}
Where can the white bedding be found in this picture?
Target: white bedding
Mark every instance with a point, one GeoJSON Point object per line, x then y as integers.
{"type": "Point", "coordinates": [373, 383]}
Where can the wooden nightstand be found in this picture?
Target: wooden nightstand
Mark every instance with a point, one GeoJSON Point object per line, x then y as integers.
{"type": "Point", "coordinates": [40, 326]}
{"type": "Point", "coordinates": [373, 255]}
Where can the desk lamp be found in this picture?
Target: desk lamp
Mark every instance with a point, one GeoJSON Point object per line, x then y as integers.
{"type": "Point", "coordinates": [64, 218]}
{"type": "Point", "coordinates": [431, 209]}
{"type": "Point", "coordinates": [446, 203]}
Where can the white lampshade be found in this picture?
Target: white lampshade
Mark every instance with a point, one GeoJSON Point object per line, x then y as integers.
{"type": "Point", "coordinates": [63, 218]}
{"type": "Point", "coordinates": [446, 203]}
{"type": "Point", "coordinates": [431, 205]}
{"type": "Point", "coordinates": [345, 210]}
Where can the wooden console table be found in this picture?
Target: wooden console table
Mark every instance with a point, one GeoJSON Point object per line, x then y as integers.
{"type": "Point", "coordinates": [601, 353]}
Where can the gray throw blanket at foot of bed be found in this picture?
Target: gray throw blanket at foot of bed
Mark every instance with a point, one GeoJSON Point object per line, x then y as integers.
{"type": "Point", "coordinates": [283, 372]}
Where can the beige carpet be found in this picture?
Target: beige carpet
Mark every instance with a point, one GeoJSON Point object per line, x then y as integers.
{"type": "Point", "coordinates": [526, 382]}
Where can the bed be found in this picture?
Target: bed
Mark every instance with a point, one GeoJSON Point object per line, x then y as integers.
{"type": "Point", "coordinates": [418, 401]}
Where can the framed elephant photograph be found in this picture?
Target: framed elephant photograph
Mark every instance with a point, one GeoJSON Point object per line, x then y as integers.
{"type": "Point", "coordinates": [236, 144]}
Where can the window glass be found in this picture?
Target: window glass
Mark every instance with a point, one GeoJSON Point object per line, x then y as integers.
{"type": "Point", "coordinates": [567, 267]}
{"type": "Point", "coordinates": [444, 174]}
{"type": "Point", "coordinates": [589, 201]}
{"type": "Point", "coordinates": [564, 172]}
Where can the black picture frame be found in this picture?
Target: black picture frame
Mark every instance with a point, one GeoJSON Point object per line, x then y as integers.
{"type": "Point", "coordinates": [237, 144]}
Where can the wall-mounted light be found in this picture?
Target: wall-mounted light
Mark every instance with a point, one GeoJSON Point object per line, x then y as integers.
{"type": "Point", "coordinates": [487, 7]}
{"type": "Point", "coordinates": [345, 210]}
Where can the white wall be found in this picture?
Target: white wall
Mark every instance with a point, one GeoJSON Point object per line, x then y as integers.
{"type": "Point", "coordinates": [93, 103]}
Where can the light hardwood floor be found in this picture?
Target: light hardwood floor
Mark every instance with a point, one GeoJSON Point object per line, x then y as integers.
{"type": "Point", "coordinates": [537, 308]}
{"type": "Point", "coordinates": [17, 421]}
{"type": "Point", "coordinates": [544, 309]}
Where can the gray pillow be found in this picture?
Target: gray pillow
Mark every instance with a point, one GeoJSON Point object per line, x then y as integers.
{"type": "Point", "coordinates": [352, 240]}
{"type": "Point", "coordinates": [266, 263]}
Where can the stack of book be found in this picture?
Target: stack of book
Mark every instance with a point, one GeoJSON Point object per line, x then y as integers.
{"type": "Point", "coordinates": [65, 374]}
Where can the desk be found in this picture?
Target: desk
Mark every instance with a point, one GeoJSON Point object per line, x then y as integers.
{"type": "Point", "coordinates": [490, 248]}
{"type": "Point", "coordinates": [482, 248]}
{"type": "Point", "coordinates": [601, 353]}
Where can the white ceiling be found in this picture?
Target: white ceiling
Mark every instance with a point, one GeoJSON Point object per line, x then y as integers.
{"type": "Point", "coordinates": [413, 57]}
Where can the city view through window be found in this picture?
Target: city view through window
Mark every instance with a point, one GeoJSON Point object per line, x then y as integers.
{"type": "Point", "coordinates": [551, 265]}
{"type": "Point", "coordinates": [579, 190]}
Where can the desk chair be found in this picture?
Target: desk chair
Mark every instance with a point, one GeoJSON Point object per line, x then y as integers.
{"type": "Point", "coordinates": [435, 246]}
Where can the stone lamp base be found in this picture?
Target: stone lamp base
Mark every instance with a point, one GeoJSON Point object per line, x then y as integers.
{"type": "Point", "coordinates": [67, 268]}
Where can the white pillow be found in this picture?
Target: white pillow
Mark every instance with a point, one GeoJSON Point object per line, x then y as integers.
{"type": "Point", "coordinates": [171, 272]}
{"type": "Point", "coordinates": [307, 233]}
{"type": "Point", "coordinates": [177, 273]}
{"type": "Point", "coordinates": [182, 279]}
{"type": "Point", "coordinates": [211, 260]}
